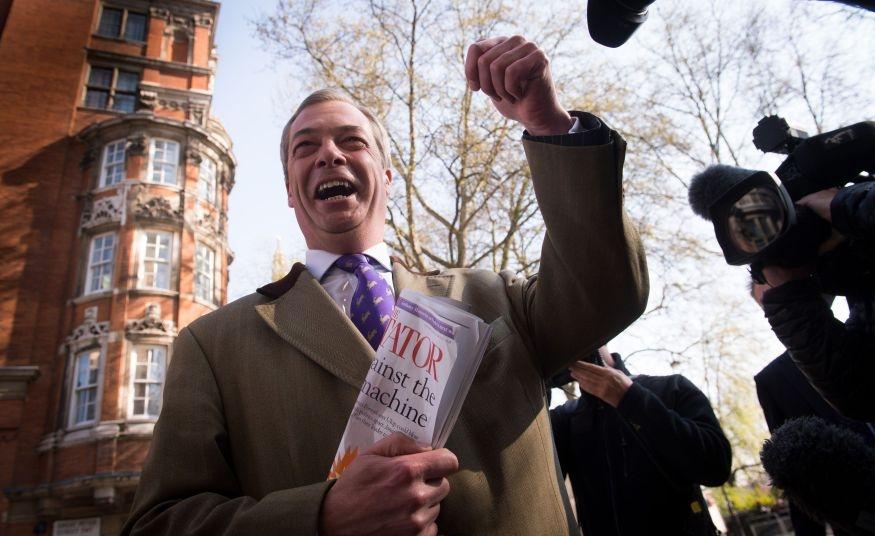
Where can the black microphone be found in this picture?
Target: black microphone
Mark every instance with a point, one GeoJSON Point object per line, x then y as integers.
{"type": "Point", "coordinates": [710, 185]}
{"type": "Point", "coordinates": [827, 470]}
{"type": "Point", "coordinates": [612, 22]}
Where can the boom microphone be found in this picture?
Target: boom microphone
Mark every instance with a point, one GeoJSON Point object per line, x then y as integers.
{"type": "Point", "coordinates": [827, 470]}
{"type": "Point", "coordinates": [612, 22]}
{"type": "Point", "coordinates": [710, 185]}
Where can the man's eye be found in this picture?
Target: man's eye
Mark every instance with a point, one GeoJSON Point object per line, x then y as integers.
{"type": "Point", "coordinates": [303, 148]}
{"type": "Point", "coordinates": [355, 142]}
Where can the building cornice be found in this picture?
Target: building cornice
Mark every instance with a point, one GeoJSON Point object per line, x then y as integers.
{"type": "Point", "coordinates": [213, 134]}
{"type": "Point", "coordinates": [14, 380]}
{"type": "Point", "coordinates": [162, 65]}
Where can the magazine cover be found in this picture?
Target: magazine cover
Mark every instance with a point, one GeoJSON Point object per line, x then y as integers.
{"type": "Point", "coordinates": [419, 378]}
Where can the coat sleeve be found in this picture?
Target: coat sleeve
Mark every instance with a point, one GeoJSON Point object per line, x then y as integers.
{"type": "Point", "coordinates": [592, 280]}
{"type": "Point", "coordinates": [686, 440]}
{"type": "Point", "coordinates": [853, 211]}
{"type": "Point", "coordinates": [836, 360]}
{"type": "Point", "coordinates": [188, 485]}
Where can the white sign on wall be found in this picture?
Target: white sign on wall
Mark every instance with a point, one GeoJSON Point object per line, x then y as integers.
{"type": "Point", "coordinates": [89, 526]}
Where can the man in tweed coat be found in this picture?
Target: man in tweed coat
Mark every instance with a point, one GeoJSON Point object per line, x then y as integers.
{"type": "Point", "coordinates": [258, 392]}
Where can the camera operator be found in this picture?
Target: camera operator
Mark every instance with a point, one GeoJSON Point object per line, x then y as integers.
{"type": "Point", "coordinates": [808, 236]}
{"type": "Point", "coordinates": [784, 394]}
{"type": "Point", "coordinates": [838, 359]}
{"type": "Point", "coordinates": [636, 449]}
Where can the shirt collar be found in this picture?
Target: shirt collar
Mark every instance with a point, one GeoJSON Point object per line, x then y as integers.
{"type": "Point", "coordinates": [319, 261]}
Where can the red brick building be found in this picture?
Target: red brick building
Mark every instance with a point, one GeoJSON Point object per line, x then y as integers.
{"type": "Point", "coordinates": [114, 182]}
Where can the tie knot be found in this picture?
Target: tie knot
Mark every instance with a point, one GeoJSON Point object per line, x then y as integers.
{"type": "Point", "coordinates": [351, 263]}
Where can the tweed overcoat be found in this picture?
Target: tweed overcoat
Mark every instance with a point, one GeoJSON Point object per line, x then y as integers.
{"type": "Point", "coordinates": [259, 391]}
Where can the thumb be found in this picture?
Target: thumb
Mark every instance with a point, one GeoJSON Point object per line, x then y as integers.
{"type": "Point", "coordinates": [396, 444]}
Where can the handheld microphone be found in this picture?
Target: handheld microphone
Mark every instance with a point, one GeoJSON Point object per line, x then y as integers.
{"type": "Point", "coordinates": [612, 22]}
{"type": "Point", "coordinates": [827, 470]}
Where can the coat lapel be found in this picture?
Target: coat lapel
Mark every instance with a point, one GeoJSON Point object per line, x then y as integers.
{"type": "Point", "coordinates": [306, 317]}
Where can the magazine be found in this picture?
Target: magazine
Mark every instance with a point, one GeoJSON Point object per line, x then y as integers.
{"type": "Point", "coordinates": [419, 378]}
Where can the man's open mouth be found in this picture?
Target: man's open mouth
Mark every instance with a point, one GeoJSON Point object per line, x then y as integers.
{"type": "Point", "coordinates": [335, 189]}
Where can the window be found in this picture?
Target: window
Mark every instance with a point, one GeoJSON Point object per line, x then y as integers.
{"type": "Point", "coordinates": [100, 263]}
{"type": "Point", "coordinates": [149, 364]}
{"type": "Point", "coordinates": [179, 48]}
{"type": "Point", "coordinates": [85, 373]}
{"type": "Point", "coordinates": [206, 181]}
{"type": "Point", "coordinates": [113, 20]}
{"type": "Point", "coordinates": [205, 262]}
{"type": "Point", "coordinates": [163, 159]}
{"type": "Point", "coordinates": [113, 169]}
{"type": "Point", "coordinates": [155, 264]}
{"type": "Point", "coordinates": [111, 88]}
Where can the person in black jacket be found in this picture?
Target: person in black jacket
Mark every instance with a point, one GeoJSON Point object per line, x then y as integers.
{"type": "Point", "coordinates": [785, 394]}
{"type": "Point", "coordinates": [637, 449]}
{"type": "Point", "coordinates": [838, 359]}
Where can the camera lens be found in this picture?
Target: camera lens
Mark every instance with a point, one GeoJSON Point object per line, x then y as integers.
{"type": "Point", "coordinates": [756, 220]}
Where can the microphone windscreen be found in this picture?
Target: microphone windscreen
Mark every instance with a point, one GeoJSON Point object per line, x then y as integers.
{"type": "Point", "coordinates": [709, 185]}
{"type": "Point", "coordinates": [827, 470]}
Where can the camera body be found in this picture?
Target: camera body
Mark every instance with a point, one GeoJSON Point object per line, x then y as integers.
{"type": "Point", "coordinates": [755, 218]}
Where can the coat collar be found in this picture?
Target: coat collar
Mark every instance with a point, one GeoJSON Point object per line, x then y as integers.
{"type": "Point", "coordinates": [305, 316]}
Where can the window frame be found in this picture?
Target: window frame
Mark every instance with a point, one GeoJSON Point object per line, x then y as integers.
{"type": "Point", "coordinates": [90, 265]}
{"type": "Point", "coordinates": [137, 350]}
{"type": "Point", "coordinates": [211, 183]}
{"type": "Point", "coordinates": [141, 271]}
{"type": "Point", "coordinates": [209, 294]}
{"type": "Point", "coordinates": [96, 385]}
{"type": "Point", "coordinates": [122, 33]}
{"type": "Point", "coordinates": [112, 91]}
{"type": "Point", "coordinates": [152, 161]}
{"type": "Point", "coordinates": [104, 165]}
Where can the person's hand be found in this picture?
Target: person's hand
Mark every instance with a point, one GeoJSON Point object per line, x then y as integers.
{"type": "Point", "coordinates": [605, 383]}
{"type": "Point", "coordinates": [393, 487]}
{"type": "Point", "coordinates": [819, 202]}
{"type": "Point", "coordinates": [515, 73]}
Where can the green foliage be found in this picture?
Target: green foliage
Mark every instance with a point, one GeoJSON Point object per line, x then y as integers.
{"type": "Point", "coordinates": [744, 499]}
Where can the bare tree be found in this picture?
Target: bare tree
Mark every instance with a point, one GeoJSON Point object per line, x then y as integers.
{"type": "Point", "coordinates": [465, 192]}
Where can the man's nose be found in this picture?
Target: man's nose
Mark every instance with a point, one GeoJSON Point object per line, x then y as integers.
{"type": "Point", "coordinates": [330, 155]}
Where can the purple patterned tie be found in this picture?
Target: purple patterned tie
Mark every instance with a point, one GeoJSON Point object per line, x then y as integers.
{"type": "Point", "coordinates": [372, 301]}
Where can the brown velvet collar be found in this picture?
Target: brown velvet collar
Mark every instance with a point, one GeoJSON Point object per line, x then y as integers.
{"type": "Point", "coordinates": [278, 288]}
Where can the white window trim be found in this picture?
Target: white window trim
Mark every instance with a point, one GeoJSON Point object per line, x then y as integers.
{"type": "Point", "coordinates": [89, 268]}
{"type": "Point", "coordinates": [212, 194]}
{"type": "Point", "coordinates": [71, 405]}
{"type": "Point", "coordinates": [103, 163]}
{"type": "Point", "coordinates": [151, 166]}
{"type": "Point", "coordinates": [141, 252]}
{"type": "Point", "coordinates": [132, 359]}
{"type": "Point", "coordinates": [211, 274]}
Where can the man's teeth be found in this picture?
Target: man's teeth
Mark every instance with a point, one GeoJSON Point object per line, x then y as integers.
{"type": "Point", "coordinates": [335, 189]}
{"type": "Point", "coordinates": [332, 184]}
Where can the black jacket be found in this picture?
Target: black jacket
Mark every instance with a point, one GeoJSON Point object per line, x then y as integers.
{"type": "Point", "coordinates": [784, 394]}
{"type": "Point", "coordinates": [838, 359]}
{"type": "Point", "coordinates": [637, 469]}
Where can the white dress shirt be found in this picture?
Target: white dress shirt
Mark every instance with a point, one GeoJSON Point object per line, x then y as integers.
{"type": "Point", "coordinates": [340, 284]}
